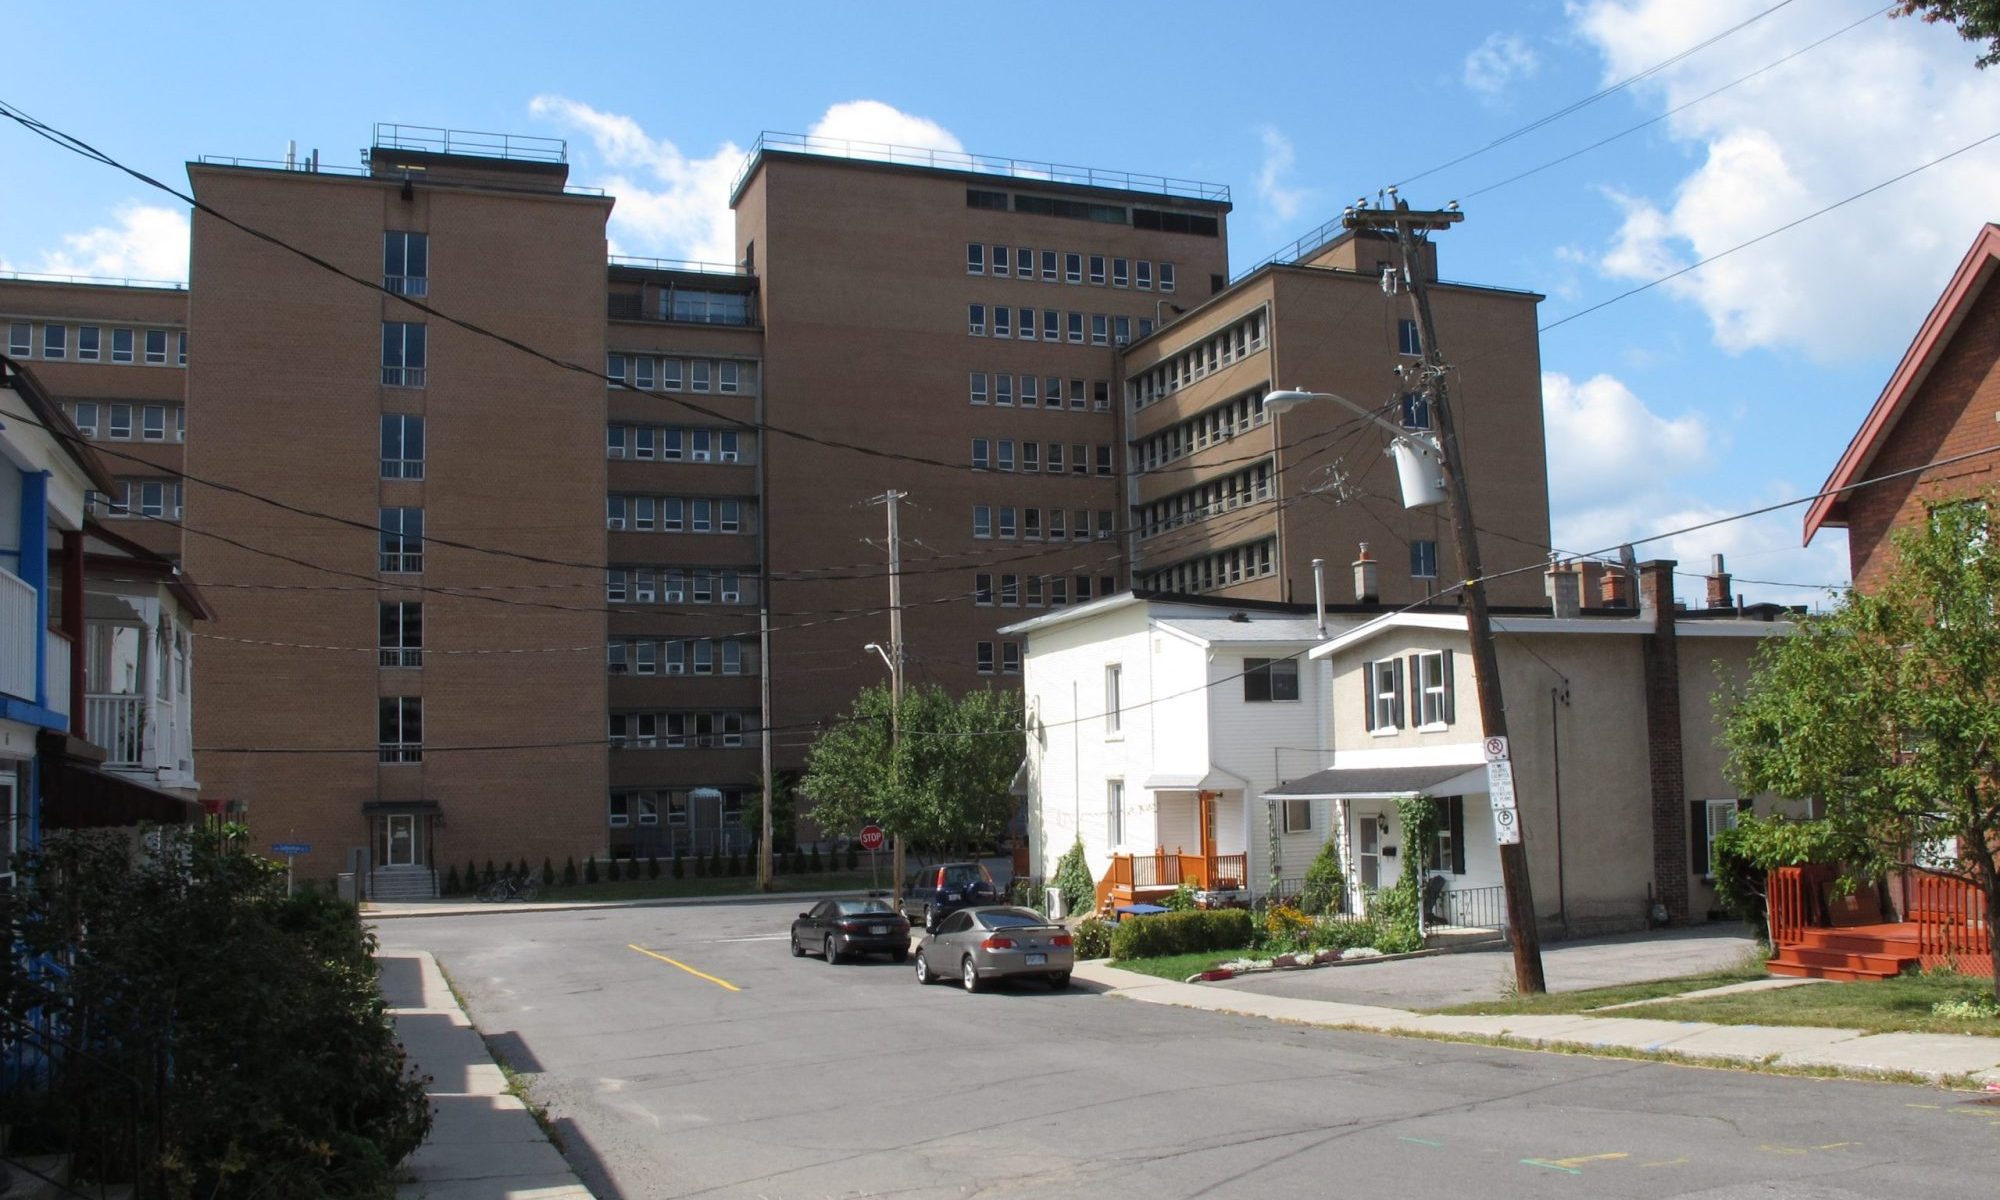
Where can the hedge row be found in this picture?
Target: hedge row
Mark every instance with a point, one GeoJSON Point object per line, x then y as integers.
{"type": "Point", "coordinates": [1181, 933]}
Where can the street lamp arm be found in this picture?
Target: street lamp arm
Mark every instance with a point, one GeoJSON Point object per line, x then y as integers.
{"type": "Point", "coordinates": [1290, 398]}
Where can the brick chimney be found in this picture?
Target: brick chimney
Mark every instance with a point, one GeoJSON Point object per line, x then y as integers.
{"type": "Point", "coordinates": [1718, 584]}
{"type": "Point", "coordinates": [1367, 578]}
{"type": "Point", "coordinates": [1612, 588]}
{"type": "Point", "coordinates": [1661, 658]}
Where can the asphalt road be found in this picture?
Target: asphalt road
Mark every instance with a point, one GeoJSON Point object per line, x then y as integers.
{"type": "Point", "coordinates": [802, 1080]}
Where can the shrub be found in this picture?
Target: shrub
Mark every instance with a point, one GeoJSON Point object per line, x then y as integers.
{"type": "Point", "coordinates": [1322, 892]}
{"type": "Point", "coordinates": [569, 871]}
{"type": "Point", "coordinates": [1395, 911]}
{"type": "Point", "coordinates": [680, 864]}
{"type": "Point", "coordinates": [548, 872]}
{"type": "Point", "coordinates": [1093, 938]}
{"type": "Point", "coordinates": [1074, 879]}
{"type": "Point", "coordinates": [590, 869]}
{"type": "Point", "coordinates": [814, 864]}
{"type": "Point", "coordinates": [1343, 934]}
{"type": "Point", "coordinates": [1181, 899]}
{"type": "Point", "coordinates": [451, 882]}
{"type": "Point", "coordinates": [1286, 928]}
{"type": "Point", "coordinates": [1181, 933]}
{"type": "Point", "coordinates": [652, 866]}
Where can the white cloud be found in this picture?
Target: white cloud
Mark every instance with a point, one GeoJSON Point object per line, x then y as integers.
{"type": "Point", "coordinates": [1605, 443]}
{"type": "Point", "coordinates": [1880, 99]}
{"type": "Point", "coordinates": [1284, 200]}
{"type": "Point", "coordinates": [672, 204]}
{"type": "Point", "coordinates": [146, 242]}
{"type": "Point", "coordinates": [1499, 62]}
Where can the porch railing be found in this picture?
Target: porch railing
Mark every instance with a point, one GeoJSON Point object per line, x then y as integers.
{"type": "Point", "coordinates": [17, 636]}
{"type": "Point", "coordinates": [1785, 904]}
{"type": "Point", "coordinates": [57, 668]}
{"type": "Point", "coordinates": [1950, 915]}
{"type": "Point", "coordinates": [1468, 908]}
{"type": "Point", "coordinates": [118, 723]}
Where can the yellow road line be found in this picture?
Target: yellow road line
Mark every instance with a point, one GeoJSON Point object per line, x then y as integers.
{"type": "Point", "coordinates": [683, 966]}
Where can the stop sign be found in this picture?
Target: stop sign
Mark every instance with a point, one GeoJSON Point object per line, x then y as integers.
{"type": "Point", "coordinates": [871, 838]}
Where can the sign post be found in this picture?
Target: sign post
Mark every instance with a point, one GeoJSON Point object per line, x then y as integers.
{"type": "Point", "coordinates": [871, 841]}
{"type": "Point", "coordinates": [1500, 791]}
{"type": "Point", "coordinates": [289, 849]}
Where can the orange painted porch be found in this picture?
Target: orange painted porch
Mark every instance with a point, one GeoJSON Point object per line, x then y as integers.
{"type": "Point", "coordinates": [1819, 936]}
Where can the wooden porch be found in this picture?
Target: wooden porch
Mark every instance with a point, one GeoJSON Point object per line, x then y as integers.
{"type": "Point", "coordinates": [1820, 936]}
{"type": "Point", "coordinates": [1146, 878]}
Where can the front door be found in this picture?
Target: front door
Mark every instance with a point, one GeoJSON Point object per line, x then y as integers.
{"type": "Point", "coordinates": [1369, 852]}
{"type": "Point", "coordinates": [402, 849]}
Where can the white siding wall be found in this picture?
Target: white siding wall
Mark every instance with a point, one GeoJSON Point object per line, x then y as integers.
{"type": "Point", "coordinates": [1265, 743]}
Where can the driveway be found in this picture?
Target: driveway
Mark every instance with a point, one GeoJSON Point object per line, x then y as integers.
{"type": "Point", "coordinates": [1487, 974]}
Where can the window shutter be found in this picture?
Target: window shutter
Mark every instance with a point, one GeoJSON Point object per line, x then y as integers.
{"type": "Point", "coordinates": [1368, 694]}
{"type": "Point", "coordinates": [1455, 815]}
{"type": "Point", "coordinates": [1698, 837]}
{"type": "Point", "coordinates": [1450, 705]}
{"type": "Point", "coordinates": [1396, 674]}
{"type": "Point", "coordinates": [1415, 675]}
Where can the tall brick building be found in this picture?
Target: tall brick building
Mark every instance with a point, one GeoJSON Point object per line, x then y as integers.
{"type": "Point", "coordinates": [502, 609]}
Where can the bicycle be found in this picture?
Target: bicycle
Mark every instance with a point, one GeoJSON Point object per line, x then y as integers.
{"type": "Point", "coordinates": [510, 887]}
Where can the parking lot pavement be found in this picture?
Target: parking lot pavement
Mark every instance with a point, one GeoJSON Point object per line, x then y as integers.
{"type": "Point", "coordinates": [1461, 978]}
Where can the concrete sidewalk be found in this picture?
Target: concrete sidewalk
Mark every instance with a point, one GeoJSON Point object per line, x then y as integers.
{"type": "Point", "coordinates": [484, 1145]}
{"type": "Point", "coordinates": [1933, 1056]}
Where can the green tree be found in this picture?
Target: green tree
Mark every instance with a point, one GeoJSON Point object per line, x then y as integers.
{"type": "Point", "coordinates": [1887, 710]}
{"type": "Point", "coordinates": [784, 809]}
{"type": "Point", "coordinates": [1975, 20]}
{"type": "Point", "coordinates": [1323, 891]}
{"type": "Point", "coordinates": [947, 786]}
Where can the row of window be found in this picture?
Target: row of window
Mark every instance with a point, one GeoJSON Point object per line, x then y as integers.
{"type": "Point", "coordinates": [1232, 491]}
{"type": "Point", "coordinates": [648, 373]}
{"type": "Point", "coordinates": [116, 421]}
{"type": "Point", "coordinates": [1219, 569]}
{"type": "Point", "coordinates": [1210, 427]}
{"type": "Point", "coordinates": [1019, 262]}
{"type": "Point", "coordinates": [142, 497]}
{"type": "Point", "coordinates": [704, 306]}
{"type": "Point", "coordinates": [1007, 521]}
{"type": "Point", "coordinates": [682, 730]}
{"type": "Point", "coordinates": [670, 444]}
{"type": "Point", "coordinates": [99, 343]}
{"type": "Point", "coordinates": [645, 806]}
{"type": "Point", "coordinates": [999, 455]}
{"type": "Point", "coordinates": [1001, 389]}
{"type": "Point", "coordinates": [1015, 591]}
{"type": "Point", "coordinates": [677, 514]}
{"type": "Point", "coordinates": [1408, 691]}
{"type": "Point", "coordinates": [1159, 220]}
{"type": "Point", "coordinates": [1238, 341]}
{"type": "Point", "coordinates": [680, 585]}
{"type": "Point", "coordinates": [681, 656]}
{"type": "Point", "coordinates": [1076, 328]}
{"type": "Point", "coordinates": [1010, 658]}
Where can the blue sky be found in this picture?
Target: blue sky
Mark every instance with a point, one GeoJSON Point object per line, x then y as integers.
{"type": "Point", "coordinates": [1732, 387]}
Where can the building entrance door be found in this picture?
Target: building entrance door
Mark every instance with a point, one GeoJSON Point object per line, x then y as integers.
{"type": "Point", "coordinates": [402, 848]}
{"type": "Point", "coordinates": [1369, 853]}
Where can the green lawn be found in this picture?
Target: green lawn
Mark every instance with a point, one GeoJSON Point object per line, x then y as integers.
{"type": "Point", "coordinates": [1902, 1004]}
{"type": "Point", "coordinates": [1179, 966]}
{"type": "Point", "coordinates": [666, 886]}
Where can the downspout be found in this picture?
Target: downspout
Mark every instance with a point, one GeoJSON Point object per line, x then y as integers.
{"type": "Point", "coordinates": [1558, 696]}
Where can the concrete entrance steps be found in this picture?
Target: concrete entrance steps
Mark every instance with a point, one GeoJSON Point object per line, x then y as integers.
{"type": "Point", "coordinates": [395, 885]}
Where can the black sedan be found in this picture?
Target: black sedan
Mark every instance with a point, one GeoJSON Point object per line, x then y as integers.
{"type": "Point", "coordinates": [839, 929]}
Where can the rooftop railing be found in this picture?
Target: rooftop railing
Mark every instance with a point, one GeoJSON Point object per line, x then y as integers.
{"type": "Point", "coordinates": [1314, 240]}
{"type": "Point", "coordinates": [958, 160]}
{"type": "Point", "coordinates": [676, 264]}
{"type": "Point", "coordinates": [95, 280]}
{"type": "Point", "coordinates": [514, 147]}
{"type": "Point", "coordinates": [303, 164]}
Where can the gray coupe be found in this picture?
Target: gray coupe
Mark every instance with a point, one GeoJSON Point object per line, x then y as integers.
{"type": "Point", "coordinates": [977, 945]}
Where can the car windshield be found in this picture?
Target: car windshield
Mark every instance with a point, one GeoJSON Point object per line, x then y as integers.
{"type": "Point", "coordinates": [856, 908]}
{"type": "Point", "coordinates": [1011, 918]}
{"type": "Point", "coordinates": [965, 875]}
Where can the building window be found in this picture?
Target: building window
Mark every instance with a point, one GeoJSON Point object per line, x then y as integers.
{"type": "Point", "coordinates": [402, 634]}
{"type": "Point", "coordinates": [1051, 325]}
{"type": "Point", "coordinates": [982, 521]}
{"type": "Point", "coordinates": [181, 355]}
{"type": "Point", "coordinates": [727, 376]}
{"type": "Point", "coordinates": [1024, 262]}
{"type": "Point", "coordinates": [403, 446]}
{"type": "Point", "coordinates": [1143, 275]}
{"type": "Point", "coordinates": [1008, 525]}
{"type": "Point", "coordinates": [406, 263]}
{"type": "Point", "coordinates": [21, 342]}
{"type": "Point", "coordinates": [1076, 328]}
{"type": "Point", "coordinates": [89, 343]}
{"type": "Point", "coordinates": [1298, 816]}
{"type": "Point", "coordinates": [642, 372]}
{"type": "Point", "coordinates": [119, 428]}
{"type": "Point", "coordinates": [1003, 321]}
{"type": "Point", "coordinates": [983, 658]}
{"type": "Point", "coordinates": [1026, 323]}
{"type": "Point", "coordinates": [975, 320]}
{"type": "Point", "coordinates": [402, 354]}
{"type": "Point", "coordinates": [1097, 269]}
{"type": "Point", "coordinates": [1711, 818]}
{"type": "Point", "coordinates": [1073, 268]}
{"type": "Point", "coordinates": [1433, 689]}
{"type": "Point", "coordinates": [982, 589]}
{"type": "Point", "coordinates": [1000, 261]}
{"type": "Point", "coordinates": [1114, 717]}
{"type": "Point", "coordinates": [1099, 330]}
{"type": "Point", "coordinates": [1114, 811]}
{"type": "Point", "coordinates": [1446, 851]}
{"type": "Point", "coordinates": [156, 347]}
{"type": "Point", "coordinates": [670, 374]}
{"type": "Point", "coordinates": [401, 729]}
{"type": "Point", "coordinates": [55, 341]}
{"type": "Point", "coordinates": [1423, 559]}
{"type": "Point", "coordinates": [1408, 340]}
{"type": "Point", "coordinates": [1010, 591]}
{"type": "Point", "coordinates": [1104, 460]}
{"type": "Point", "coordinates": [1010, 658]}
{"type": "Point", "coordinates": [1003, 390]}
{"type": "Point", "coordinates": [1048, 266]}
{"type": "Point", "coordinates": [85, 415]}
{"type": "Point", "coordinates": [979, 387]}
{"type": "Point", "coordinates": [1382, 686]}
{"type": "Point", "coordinates": [1166, 277]}
{"type": "Point", "coordinates": [1003, 457]}
{"type": "Point", "coordinates": [698, 374]}
{"type": "Point", "coordinates": [1268, 679]}
{"type": "Point", "coordinates": [153, 423]}
{"type": "Point", "coordinates": [403, 540]}
{"type": "Point", "coordinates": [1120, 272]}
{"type": "Point", "coordinates": [981, 455]}
{"type": "Point", "coordinates": [1416, 410]}
{"type": "Point", "coordinates": [975, 258]}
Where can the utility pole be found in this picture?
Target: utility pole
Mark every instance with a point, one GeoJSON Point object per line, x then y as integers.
{"type": "Point", "coordinates": [764, 879]}
{"type": "Point", "coordinates": [889, 500]}
{"type": "Point", "coordinates": [1522, 936]}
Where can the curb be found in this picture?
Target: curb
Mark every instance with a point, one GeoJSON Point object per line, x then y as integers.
{"type": "Point", "coordinates": [453, 909]}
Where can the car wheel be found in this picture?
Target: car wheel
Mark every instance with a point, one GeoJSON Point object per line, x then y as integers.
{"type": "Point", "coordinates": [1059, 980]}
{"type": "Point", "coordinates": [969, 975]}
{"type": "Point", "coordinates": [900, 955]}
{"type": "Point", "coordinates": [831, 951]}
{"type": "Point", "coordinates": [924, 969]}
{"type": "Point", "coordinates": [798, 951]}
{"type": "Point", "coordinates": [927, 917]}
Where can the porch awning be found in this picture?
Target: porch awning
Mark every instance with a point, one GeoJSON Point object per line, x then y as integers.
{"type": "Point", "coordinates": [1381, 783]}
{"type": "Point", "coordinates": [1216, 780]}
{"type": "Point", "coordinates": [379, 808]}
{"type": "Point", "coordinates": [80, 796]}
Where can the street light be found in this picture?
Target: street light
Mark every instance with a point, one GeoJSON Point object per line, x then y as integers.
{"type": "Point", "coordinates": [1419, 461]}
{"type": "Point", "coordinates": [895, 751]}
{"type": "Point", "coordinates": [877, 648]}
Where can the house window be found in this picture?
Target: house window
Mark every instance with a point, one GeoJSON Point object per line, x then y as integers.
{"type": "Point", "coordinates": [975, 320]}
{"type": "Point", "coordinates": [1416, 410]}
{"type": "Point", "coordinates": [1114, 717]}
{"type": "Point", "coordinates": [1446, 851]}
{"type": "Point", "coordinates": [1710, 818]}
{"type": "Point", "coordinates": [1382, 684]}
{"type": "Point", "coordinates": [406, 263]}
{"type": "Point", "coordinates": [403, 540]}
{"type": "Point", "coordinates": [403, 446]}
{"type": "Point", "coordinates": [401, 729]}
{"type": "Point", "coordinates": [983, 658]}
{"type": "Point", "coordinates": [1433, 683]}
{"type": "Point", "coordinates": [402, 354]}
{"type": "Point", "coordinates": [89, 343]}
{"type": "Point", "coordinates": [1267, 679]}
{"type": "Point", "coordinates": [402, 634]}
{"type": "Point", "coordinates": [975, 258]}
{"type": "Point", "coordinates": [1408, 340]}
{"type": "Point", "coordinates": [1423, 559]}
{"type": "Point", "coordinates": [1114, 811]}
{"type": "Point", "coordinates": [1298, 816]}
